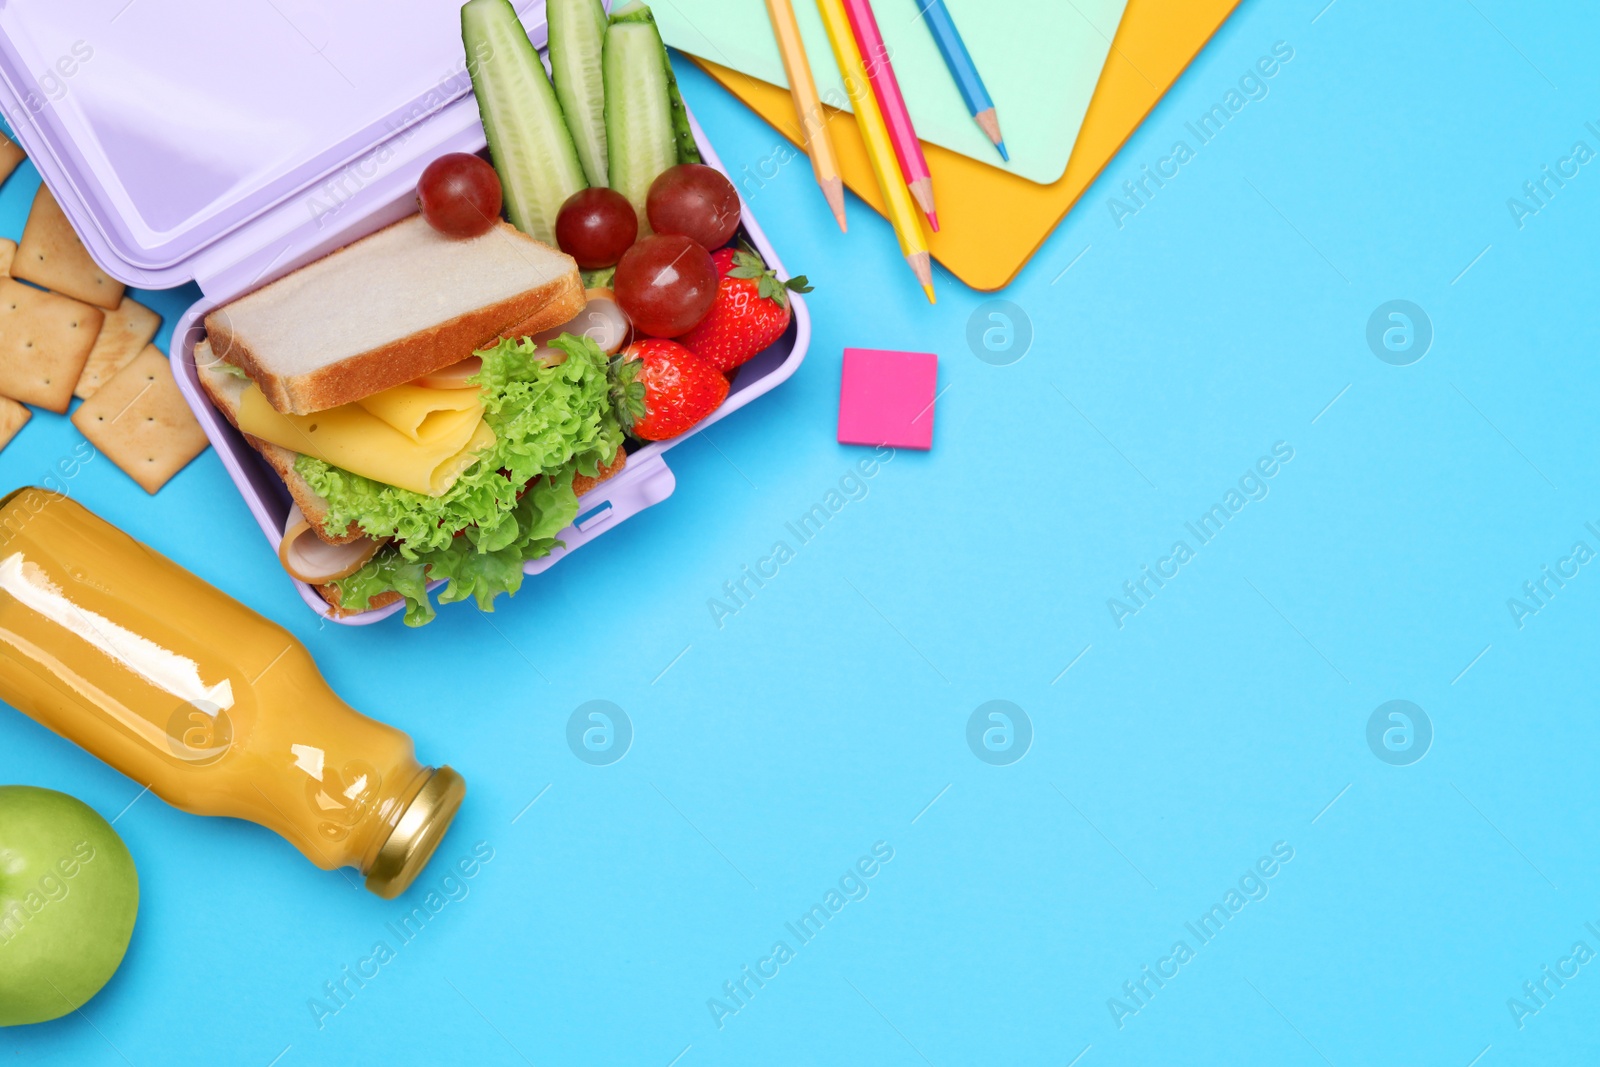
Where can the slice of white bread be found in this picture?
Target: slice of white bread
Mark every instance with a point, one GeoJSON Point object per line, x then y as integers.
{"type": "Point", "coordinates": [389, 308]}
{"type": "Point", "coordinates": [225, 389]}
{"type": "Point", "coordinates": [581, 484]}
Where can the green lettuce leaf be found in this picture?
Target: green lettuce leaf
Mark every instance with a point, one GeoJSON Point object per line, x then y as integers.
{"type": "Point", "coordinates": [546, 510]}
{"type": "Point", "coordinates": [549, 423]}
{"type": "Point", "coordinates": [386, 572]}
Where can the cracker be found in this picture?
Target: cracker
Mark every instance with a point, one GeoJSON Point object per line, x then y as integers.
{"type": "Point", "coordinates": [122, 337]}
{"type": "Point", "coordinates": [45, 340]}
{"type": "Point", "coordinates": [52, 256]}
{"type": "Point", "coordinates": [11, 156]}
{"type": "Point", "coordinates": [140, 421]}
{"type": "Point", "coordinates": [13, 416]}
{"type": "Point", "coordinates": [8, 252]}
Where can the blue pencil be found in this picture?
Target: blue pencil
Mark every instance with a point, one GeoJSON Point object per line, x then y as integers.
{"type": "Point", "coordinates": [963, 70]}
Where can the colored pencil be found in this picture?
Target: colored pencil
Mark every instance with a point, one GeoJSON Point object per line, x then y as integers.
{"type": "Point", "coordinates": [963, 70]}
{"type": "Point", "coordinates": [808, 106]}
{"type": "Point", "coordinates": [897, 202]}
{"type": "Point", "coordinates": [886, 87]}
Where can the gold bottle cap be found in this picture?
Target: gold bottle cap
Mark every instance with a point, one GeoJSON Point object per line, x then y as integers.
{"type": "Point", "coordinates": [417, 833]}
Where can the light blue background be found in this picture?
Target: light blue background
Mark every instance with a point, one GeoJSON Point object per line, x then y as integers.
{"type": "Point", "coordinates": [1222, 718]}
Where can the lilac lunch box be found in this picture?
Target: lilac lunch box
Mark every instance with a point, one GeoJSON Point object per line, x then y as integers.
{"type": "Point", "coordinates": [230, 144]}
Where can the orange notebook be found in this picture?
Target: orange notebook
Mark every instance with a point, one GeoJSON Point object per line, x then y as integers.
{"type": "Point", "coordinates": [993, 222]}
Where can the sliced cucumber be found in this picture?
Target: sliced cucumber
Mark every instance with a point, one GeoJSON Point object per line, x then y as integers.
{"type": "Point", "coordinates": [688, 151]}
{"type": "Point", "coordinates": [577, 41]}
{"type": "Point", "coordinates": [640, 136]}
{"type": "Point", "coordinates": [528, 138]}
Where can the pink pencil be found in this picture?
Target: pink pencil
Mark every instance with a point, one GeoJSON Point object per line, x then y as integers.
{"type": "Point", "coordinates": [886, 87]}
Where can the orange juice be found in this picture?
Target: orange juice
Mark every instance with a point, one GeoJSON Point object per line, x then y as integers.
{"type": "Point", "coordinates": [218, 710]}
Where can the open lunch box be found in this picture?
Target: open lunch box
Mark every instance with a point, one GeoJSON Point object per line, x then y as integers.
{"type": "Point", "coordinates": [231, 144]}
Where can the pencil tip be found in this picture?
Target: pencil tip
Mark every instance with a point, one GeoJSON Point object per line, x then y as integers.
{"type": "Point", "coordinates": [929, 290]}
{"type": "Point", "coordinates": [991, 126]}
{"type": "Point", "coordinates": [921, 265]}
{"type": "Point", "coordinates": [833, 190]}
{"type": "Point", "coordinates": [933, 220]}
{"type": "Point", "coordinates": [1003, 153]}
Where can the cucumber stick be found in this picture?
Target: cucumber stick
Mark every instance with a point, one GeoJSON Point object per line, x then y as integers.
{"type": "Point", "coordinates": [528, 137]}
{"type": "Point", "coordinates": [644, 114]}
{"type": "Point", "coordinates": [577, 40]}
{"type": "Point", "coordinates": [688, 151]}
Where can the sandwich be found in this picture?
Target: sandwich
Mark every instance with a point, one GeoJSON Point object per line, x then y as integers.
{"type": "Point", "coordinates": [424, 409]}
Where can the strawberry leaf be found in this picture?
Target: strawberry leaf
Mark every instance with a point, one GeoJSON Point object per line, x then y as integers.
{"type": "Point", "coordinates": [627, 392]}
{"type": "Point", "coordinates": [749, 266]}
{"type": "Point", "coordinates": [746, 264]}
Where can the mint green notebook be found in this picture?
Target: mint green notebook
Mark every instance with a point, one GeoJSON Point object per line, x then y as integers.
{"type": "Point", "coordinates": [1040, 60]}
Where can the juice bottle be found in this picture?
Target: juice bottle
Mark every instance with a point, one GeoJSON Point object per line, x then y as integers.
{"type": "Point", "coordinates": [218, 710]}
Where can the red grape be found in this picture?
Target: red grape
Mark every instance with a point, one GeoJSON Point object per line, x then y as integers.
{"type": "Point", "coordinates": [666, 283]}
{"type": "Point", "coordinates": [459, 195]}
{"type": "Point", "coordinates": [595, 226]}
{"type": "Point", "coordinates": [696, 201]}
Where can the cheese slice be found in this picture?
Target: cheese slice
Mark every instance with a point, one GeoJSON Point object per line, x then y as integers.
{"type": "Point", "coordinates": [427, 460]}
{"type": "Point", "coordinates": [426, 415]}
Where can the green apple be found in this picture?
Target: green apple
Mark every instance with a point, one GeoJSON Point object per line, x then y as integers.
{"type": "Point", "coordinates": [68, 897]}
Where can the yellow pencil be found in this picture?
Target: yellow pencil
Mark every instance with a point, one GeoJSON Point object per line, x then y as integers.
{"type": "Point", "coordinates": [897, 200]}
{"type": "Point", "coordinates": [808, 106]}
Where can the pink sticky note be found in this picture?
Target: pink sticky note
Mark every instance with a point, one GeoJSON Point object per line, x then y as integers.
{"type": "Point", "coordinates": [886, 398]}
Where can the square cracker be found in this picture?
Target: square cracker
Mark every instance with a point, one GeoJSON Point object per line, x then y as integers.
{"type": "Point", "coordinates": [139, 420]}
{"type": "Point", "coordinates": [52, 256]}
{"type": "Point", "coordinates": [11, 156]}
{"type": "Point", "coordinates": [122, 337]}
{"type": "Point", "coordinates": [45, 340]}
{"type": "Point", "coordinates": [8, 252]}
{"type": "Point", "coordinates": [12, 417]}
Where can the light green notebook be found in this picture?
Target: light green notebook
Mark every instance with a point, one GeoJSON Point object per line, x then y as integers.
{"type": "Point", "coordinates": [1040, 60]}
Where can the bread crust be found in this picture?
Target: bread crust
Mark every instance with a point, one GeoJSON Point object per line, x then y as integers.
{"type": "Point", "coordinates": [331, 595]}
{"type": "Point", "coordinates": [580, 484]}
{"type": "Point", "coordinates": [408, 358]}
{"type": "Point", "coordinates": [314, 507]}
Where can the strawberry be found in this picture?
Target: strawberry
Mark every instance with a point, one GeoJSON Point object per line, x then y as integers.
{"type": "Point", "coordinates": [750, 312]}
{"type": "Point", "coordinates": [722, 259]}
{"type": "Point", "coordinates": [660, 389]}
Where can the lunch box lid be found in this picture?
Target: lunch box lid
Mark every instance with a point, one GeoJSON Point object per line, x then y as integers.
{"type": "Point", "coordinates": [168, 128]}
